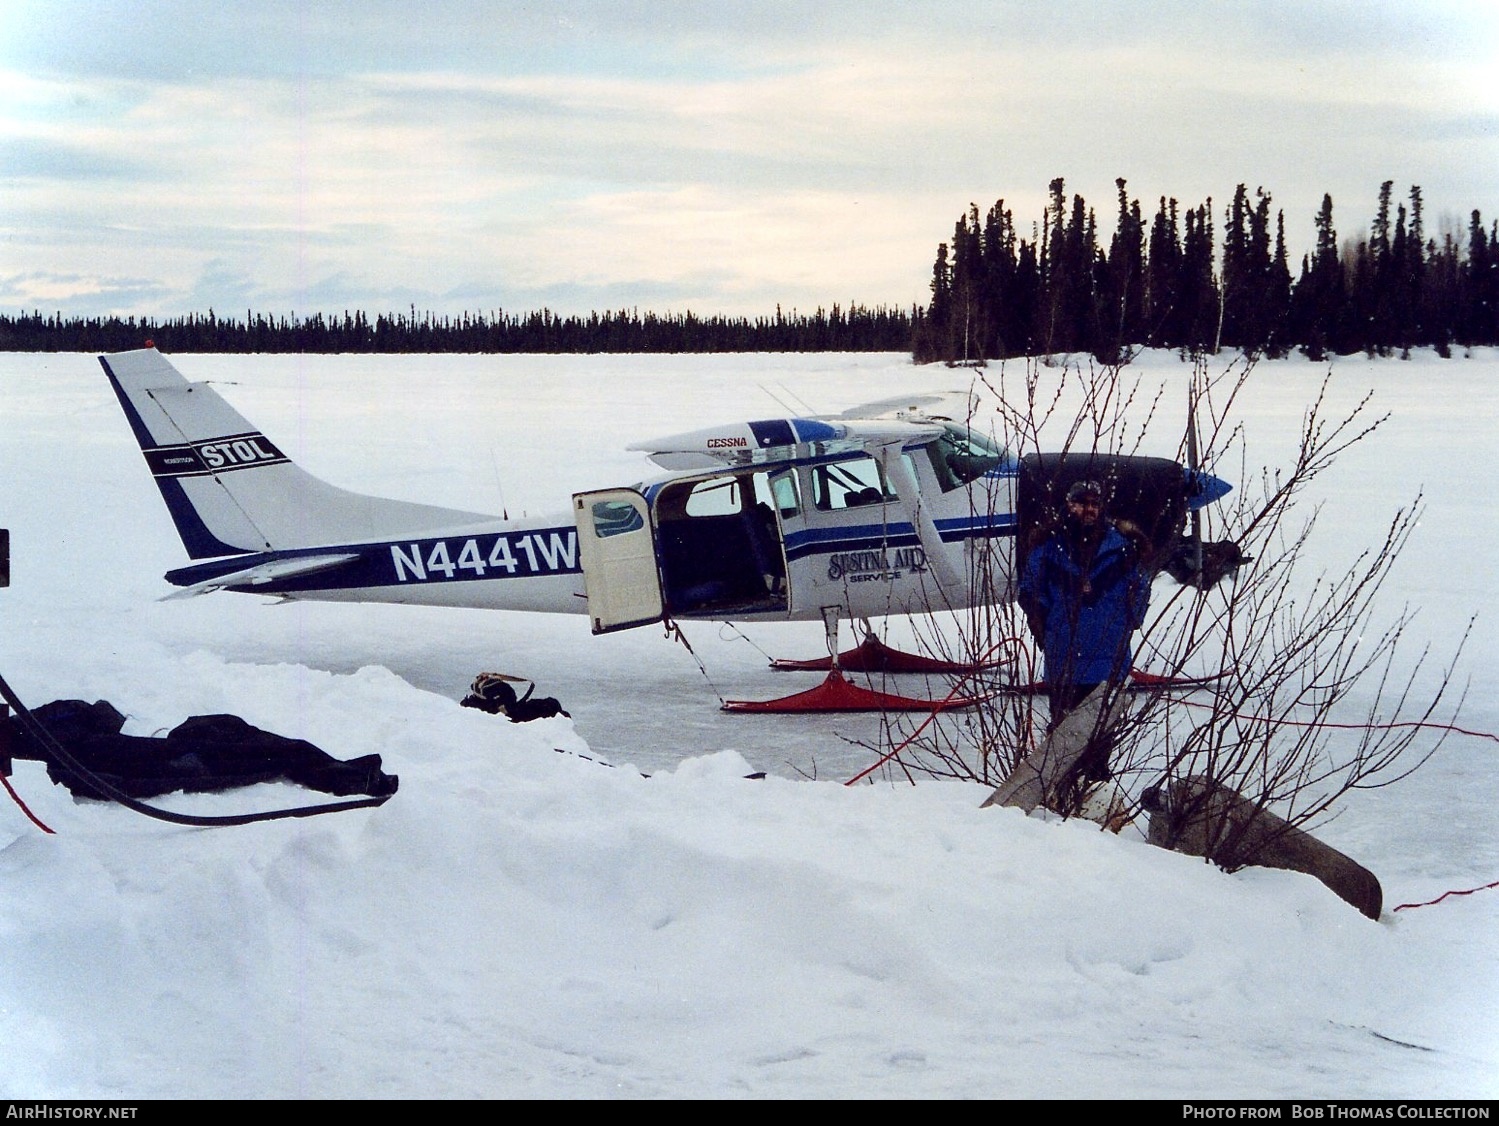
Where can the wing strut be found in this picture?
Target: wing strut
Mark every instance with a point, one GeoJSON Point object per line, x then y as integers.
{"type": "Point", "coordinates": [898, 473]}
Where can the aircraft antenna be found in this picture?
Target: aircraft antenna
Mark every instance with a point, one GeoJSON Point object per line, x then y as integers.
{"type": "Point", "coordinates": [494, 465]}
{"type": "Point", "coordinates": [807, 408]}
{"type": "Point", "coordinates": [792, 403]}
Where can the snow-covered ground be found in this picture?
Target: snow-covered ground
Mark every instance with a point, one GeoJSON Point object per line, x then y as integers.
{"type": "Point", "coordinates": [522, 922]}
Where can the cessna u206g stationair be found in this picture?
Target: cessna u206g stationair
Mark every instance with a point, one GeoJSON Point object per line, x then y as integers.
{"type": "Point", "coordinates": [892, 511]}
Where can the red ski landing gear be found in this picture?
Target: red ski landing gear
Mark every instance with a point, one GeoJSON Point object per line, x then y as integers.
{"type": "Point", "coordinates": [873, 655]}
{"type": "Point", "coordinates": [836, 694]}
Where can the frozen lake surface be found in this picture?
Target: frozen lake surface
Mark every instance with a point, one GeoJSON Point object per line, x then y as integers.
{"type": "Point", "coordinates": [517, 922]}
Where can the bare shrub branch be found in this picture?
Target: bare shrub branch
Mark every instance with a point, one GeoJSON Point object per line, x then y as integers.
{"type": "Point", "coordinates": [1313, 691]}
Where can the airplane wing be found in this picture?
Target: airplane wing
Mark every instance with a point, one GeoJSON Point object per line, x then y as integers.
{"type": "Point", "coordinates": [953, 405]}
{"type": "Point", "coordinates": [772, 441]}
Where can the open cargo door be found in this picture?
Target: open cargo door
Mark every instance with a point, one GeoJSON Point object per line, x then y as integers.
{"type": "Point", "coordinates": [617, 550]}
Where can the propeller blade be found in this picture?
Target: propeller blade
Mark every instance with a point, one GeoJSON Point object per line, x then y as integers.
{"type": "Point", "coordinates": [1193, 466]}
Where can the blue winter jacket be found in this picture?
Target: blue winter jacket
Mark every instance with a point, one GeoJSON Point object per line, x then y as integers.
{"type": "Point", "coordinates": [1086, 620]}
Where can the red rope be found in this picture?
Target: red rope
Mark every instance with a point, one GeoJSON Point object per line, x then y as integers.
{"type": "Point", "coordinates": [1419, 724]}
{"type": "Point", "coordinates": [1446, 894]}
{"type": "Point", "coordinates": [937, 710]}
{"type": "Point", "coordinates": [906, 742]}
{"type": "Point", "coordinates": [15, 797]}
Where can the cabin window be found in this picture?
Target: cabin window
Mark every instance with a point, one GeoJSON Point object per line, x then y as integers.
{"type": "Point", "coordinates": [960, 456]}
{"type": "Point", "coordinates": [784, 493]}
{"type": "Point", "coordinates": [849, 484]}
{"type": "Point", "coordinates": [615, 518]}
{"type": "Point", "coordinates": [729, 496]}
{"type": "Point", "coordinates": [718, 497]}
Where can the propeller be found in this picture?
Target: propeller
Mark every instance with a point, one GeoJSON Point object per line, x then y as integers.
{"type": "Point", "coordinates": [1193, 468]}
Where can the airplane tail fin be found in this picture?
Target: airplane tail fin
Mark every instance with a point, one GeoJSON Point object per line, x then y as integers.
{"type": "Point", "coordinates": [229, 489]}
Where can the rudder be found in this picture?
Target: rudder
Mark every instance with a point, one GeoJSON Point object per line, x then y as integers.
{"type": "Point", "coordinates": [229, 488]}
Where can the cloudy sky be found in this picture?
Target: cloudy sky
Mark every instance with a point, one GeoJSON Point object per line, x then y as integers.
{"type": "Point", "coordinates": [166, 156]}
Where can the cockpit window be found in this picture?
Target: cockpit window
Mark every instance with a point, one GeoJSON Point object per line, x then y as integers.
{"type": "Point", "coordinates": [960, 456]}
{"type": "Point", "coordinates": [849, 484]}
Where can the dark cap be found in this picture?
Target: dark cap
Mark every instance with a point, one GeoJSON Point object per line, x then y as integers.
{"type": "Point", "coordinates": [1082, 489]}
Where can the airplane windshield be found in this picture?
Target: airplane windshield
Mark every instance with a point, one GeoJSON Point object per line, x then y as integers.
{"type": "Point", "coordinates": [960, 455]}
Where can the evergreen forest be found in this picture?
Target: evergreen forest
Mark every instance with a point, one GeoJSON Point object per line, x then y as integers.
{"type": "Point", "coordinates": [856, 329]}
{"type": "Point", "coordinates": [1169, 285]}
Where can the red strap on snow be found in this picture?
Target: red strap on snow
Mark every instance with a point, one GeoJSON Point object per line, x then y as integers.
{"type": "Point", "coordinates": [15, 797]}
{"type": "Point", "coordinates": [1447, 894]}
{"type": "Point", "coordinates": [937, 710]}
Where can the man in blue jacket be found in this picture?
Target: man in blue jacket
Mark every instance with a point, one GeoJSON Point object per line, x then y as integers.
{"type": "Point", "coordinates": [1084, 591]}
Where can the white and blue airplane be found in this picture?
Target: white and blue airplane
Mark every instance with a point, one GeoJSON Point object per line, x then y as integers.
{"type": "Point", "coordinates": [885, 510]}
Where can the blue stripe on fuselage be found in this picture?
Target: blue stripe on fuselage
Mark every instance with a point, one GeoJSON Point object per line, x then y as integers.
{"type": "Point", "coordinates": [974, 527]}
{"type": "Point", "coordinates": [862, 537]}
{"type": "Point", "coordinates": [523, 554]}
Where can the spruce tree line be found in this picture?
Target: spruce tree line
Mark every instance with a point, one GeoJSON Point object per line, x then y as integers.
{"type": "Point", "coordinates": [855, 329]}
{"type": "Point", "coordinates": [1166, 285]}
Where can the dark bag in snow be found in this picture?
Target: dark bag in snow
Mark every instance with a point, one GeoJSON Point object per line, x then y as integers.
{"type": "Point", "coordinates": [204, 753]}
{"type": "Point", "coordinates": [491, 692]}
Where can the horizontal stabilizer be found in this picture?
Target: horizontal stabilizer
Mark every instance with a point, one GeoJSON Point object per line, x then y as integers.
{"type": "Point", "coordinates": [266, 572]}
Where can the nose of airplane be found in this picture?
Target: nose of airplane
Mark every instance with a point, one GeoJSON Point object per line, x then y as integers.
{"type": "Point", "coordinates": [1203, 488]}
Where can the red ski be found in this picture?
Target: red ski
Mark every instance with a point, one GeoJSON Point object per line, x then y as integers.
{"type": "Point", "coordinates": [835, 694]}
{"type": "Point", "coordinates": [873, 655]}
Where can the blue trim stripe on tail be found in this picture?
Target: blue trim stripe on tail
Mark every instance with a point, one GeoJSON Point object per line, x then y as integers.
{"type": "Point", "coordinates": [199, 542]}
